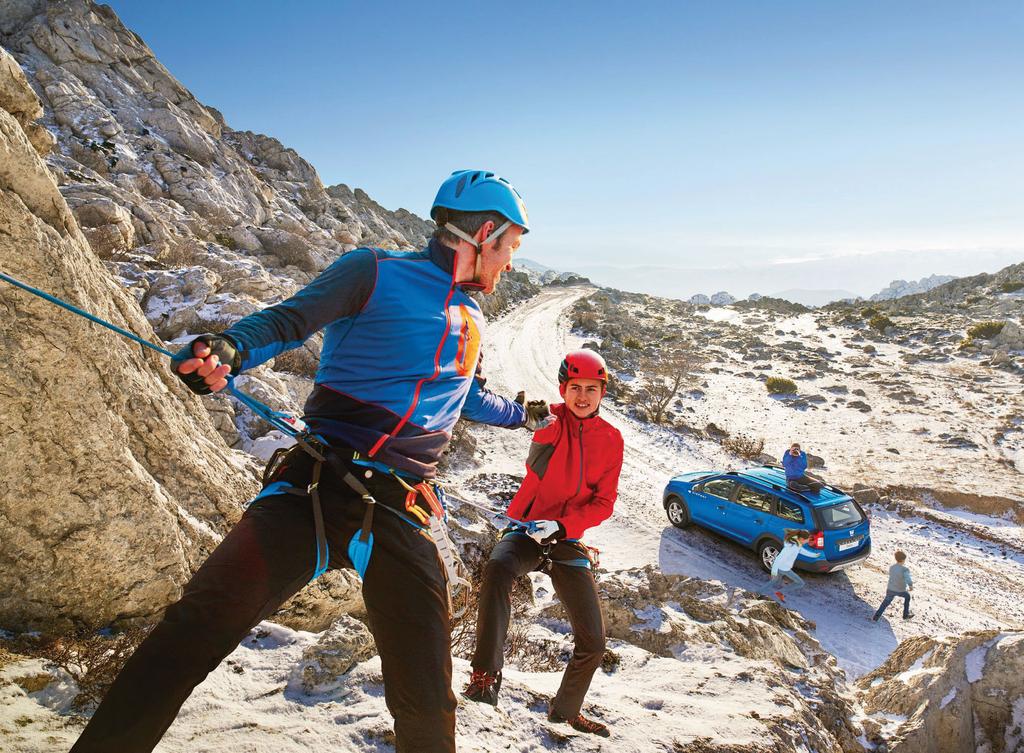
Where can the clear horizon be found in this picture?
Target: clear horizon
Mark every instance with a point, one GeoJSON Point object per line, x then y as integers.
{"type": "Point", "coordinates": [771, 142]}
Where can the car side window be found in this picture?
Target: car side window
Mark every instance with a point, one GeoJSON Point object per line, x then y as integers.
{"type": "Point", "coordinates": [720, 487]}
{"type": "Point", "coordinates": [790, 511]}
{"type": "Point", "coordinates": [753, 498]}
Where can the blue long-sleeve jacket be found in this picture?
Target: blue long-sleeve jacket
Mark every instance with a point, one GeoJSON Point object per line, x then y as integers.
{"type": "Point", "coordinates": [795, 466]}
{"type": "Point", "coordinates": [400, 359]}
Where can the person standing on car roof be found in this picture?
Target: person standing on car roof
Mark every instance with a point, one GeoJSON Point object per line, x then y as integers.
{"type": "Point", "coordinates": [572, 478]}
{"type": "Point", "coordinates": [399, 365]}
{"type": "Point", "coordinates": [794, 461]}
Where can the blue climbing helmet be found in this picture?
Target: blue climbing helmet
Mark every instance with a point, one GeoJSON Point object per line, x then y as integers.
{"type": "Point", "coordinates": [480, 191]}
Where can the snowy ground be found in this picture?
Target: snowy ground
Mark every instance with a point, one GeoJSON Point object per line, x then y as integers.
{"type": "Point", "coordinates": [251, 702]}
{"type": "Point", "coordinates": [962, 582]}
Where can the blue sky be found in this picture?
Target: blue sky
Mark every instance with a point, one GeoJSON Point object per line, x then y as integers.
{"type": "Point", "coordinates": [678, 136]}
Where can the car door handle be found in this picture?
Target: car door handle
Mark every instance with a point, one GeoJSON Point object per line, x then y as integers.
{"type": "Point", "coordinates": [759, 521]}
{"type": "Point", "coordinates": [720, 507]}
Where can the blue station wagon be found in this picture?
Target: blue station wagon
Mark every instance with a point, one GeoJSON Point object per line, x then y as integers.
{"type": "Point", "coordinates": [754, 507]}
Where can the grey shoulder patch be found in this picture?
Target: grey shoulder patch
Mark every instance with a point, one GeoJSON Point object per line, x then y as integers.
{"type": "Point", "coordinates": [539, 457]}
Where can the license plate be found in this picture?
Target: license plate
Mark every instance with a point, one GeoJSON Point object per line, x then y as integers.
{"type": "Point", "coordinates": [848, 545]}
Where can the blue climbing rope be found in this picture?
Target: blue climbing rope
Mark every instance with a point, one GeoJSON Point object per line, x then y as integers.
{"type": "Point", "coordinates": [277, 419]}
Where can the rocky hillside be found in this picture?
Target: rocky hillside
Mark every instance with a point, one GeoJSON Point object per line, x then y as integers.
{"type": "Point", "coordinates": [127, 196]}
{"type": "Point", "coordinates": [920, 393]}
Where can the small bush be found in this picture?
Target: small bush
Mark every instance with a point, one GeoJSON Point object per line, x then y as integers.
{"type": "Point", "coordinates": [985, 330]}
{"type": "Point", "coordinates": [92, 659]}
{"type": "Point", "coordinates": [880, 322]}
{"type": "Point", "coordinates": [780, 385]}
{"type": "Point", "coordinates": [748, 448]}
{"type": "Point", "coordinates": [1011, 287]}
{"type": "Point", "coordinates": [226, 241]}
{"type": "Point", "coordinates": [632, 343]}
{"type": "Point", "coordinates": [868, 312]}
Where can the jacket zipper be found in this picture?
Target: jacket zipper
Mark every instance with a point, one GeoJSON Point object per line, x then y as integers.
{"type": "Point", "coordinates": [419, 385]}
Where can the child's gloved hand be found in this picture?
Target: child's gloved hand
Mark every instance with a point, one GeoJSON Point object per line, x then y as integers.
{"type": "Point", "coordinates": [545, 531]}
{"type": "Point", "coordinates": [537, 414]}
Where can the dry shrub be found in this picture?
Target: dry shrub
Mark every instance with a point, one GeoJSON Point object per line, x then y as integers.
{"type": "Point", "coordinates": [529, 654]}
{"type": "Point", "coordinates": [93, 659]}
{"type": "Point", "coordinates": [780, 385]}
{"type": "Point", "coordinates": [748, 448]}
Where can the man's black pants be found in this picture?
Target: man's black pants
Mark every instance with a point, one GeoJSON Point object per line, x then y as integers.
{"type": "Point", "coordinates": [517, 555]}
{"type": "Point", "coordinates": [268, 556]}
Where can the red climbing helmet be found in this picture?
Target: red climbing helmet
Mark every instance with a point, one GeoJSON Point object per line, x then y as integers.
{"type": "Point", "coordinates": [582, 364]}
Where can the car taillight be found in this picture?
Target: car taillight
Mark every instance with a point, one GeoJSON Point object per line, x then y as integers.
{"type": "Point", "coordinates": [817, 540]}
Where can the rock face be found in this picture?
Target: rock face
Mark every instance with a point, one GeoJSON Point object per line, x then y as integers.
{"type": "Point", "coordinates": [956, 694]}
{"type": "Point", "coordinates": [113, 483]}
{"type": "Point", "coordinates": [699, 299]}
{"type": "Point", "coordinates": [722, 298]}
{"type": "Point", "coordinates": [150, 211]}
{"type": "Point", "coordinates": [200, 225]}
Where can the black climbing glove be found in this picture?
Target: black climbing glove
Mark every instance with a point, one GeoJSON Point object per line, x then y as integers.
{"type": "Point", "coordinates": [222, 347]}
{"type": "Point", "coordinates": [537, 414]}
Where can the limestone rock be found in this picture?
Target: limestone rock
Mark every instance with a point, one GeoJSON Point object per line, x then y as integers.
{"type": "Point", "coordinates": [342, 645]}
{"type": "Point", "coordinates": [328, 599]}
{"type": "Point", "coordinates": [121, 459]}
{"type": "Point", "coordinates": [955, 694]}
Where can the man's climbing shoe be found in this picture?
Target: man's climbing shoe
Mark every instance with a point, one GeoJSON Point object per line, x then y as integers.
{"type": "Point", "coordinates": [780, 596]}
{"type": "Point", "coordinates": [483, 687]}
{"type": "Point", "coordinates": [580, 724]}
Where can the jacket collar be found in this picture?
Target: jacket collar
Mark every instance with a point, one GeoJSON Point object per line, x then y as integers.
{"type": "Point", "coordinates": [444, 257]}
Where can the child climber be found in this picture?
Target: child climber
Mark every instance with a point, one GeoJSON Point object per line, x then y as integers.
{"type": "Point", "coordinates": [785, 561]}
{"type": "Point", "coordinates": [572, 477]}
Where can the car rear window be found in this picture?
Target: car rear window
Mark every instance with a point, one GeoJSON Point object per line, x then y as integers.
{"type": "Point", "coordinates": [843, 515]}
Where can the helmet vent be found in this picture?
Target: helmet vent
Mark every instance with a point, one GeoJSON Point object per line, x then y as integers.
{"type": "Point", "coordinates": [461, 186]}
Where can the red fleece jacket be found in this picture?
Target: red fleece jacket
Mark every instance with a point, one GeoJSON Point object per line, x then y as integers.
{"type": "Point", "coordinates": [572, 473]}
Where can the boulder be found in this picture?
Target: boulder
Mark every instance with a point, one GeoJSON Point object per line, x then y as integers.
{"type": "Point", "coordinates": [951, 694]}
{"type": "Point", "coordinates": [341, 646]}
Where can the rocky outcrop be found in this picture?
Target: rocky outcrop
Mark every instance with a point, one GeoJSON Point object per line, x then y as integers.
{"type": "Point", "coordinates": [113, 484]}
{"type": "Point", "coordinates": [957, 694]}
{"type": "Point", "coordinates": [900, 288]}
{"type": "Point", "coordinates": [672, 615]}
{"type": "Point", "coordinates": [722, 298]}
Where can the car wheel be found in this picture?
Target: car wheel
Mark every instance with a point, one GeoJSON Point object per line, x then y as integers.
{"type": "Point", "coordinates": [767, 551]}
{"type": "Point", "coordinates": [677, 511]}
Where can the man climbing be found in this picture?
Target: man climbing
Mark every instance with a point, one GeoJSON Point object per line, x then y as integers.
{"type": "Point", "coordinates": [400, 362]}
{"type": "Point", "coordinates": [572, 478]}
{"type": "Point", "coordinates": [794, 461]}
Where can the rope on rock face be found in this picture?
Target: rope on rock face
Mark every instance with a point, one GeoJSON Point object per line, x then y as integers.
{"type": "Point", "coordinates": [280, 421]}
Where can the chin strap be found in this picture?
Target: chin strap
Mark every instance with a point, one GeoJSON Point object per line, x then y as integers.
{"type": "Point", "coordinates": [470, 240]}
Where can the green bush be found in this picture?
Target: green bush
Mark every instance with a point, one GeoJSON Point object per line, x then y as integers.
{"type": "Point", "coordinates": [226, 241]}
{"type": "Point", "coordinates": [869, 312]}
{"type": "Point", "coordinates": [1011, 287]}
{"type": "Point", "coordinates": [880, 322]}
{"type": "Point", "coordinates": [780, 385]}
{"type": "Point", "coordinates": [632, 343]}
{"type": "Point", "coordinates": [985, 330]}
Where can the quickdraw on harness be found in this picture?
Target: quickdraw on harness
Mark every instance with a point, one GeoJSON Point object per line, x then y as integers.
{"type": "Point", "coordinates": [454, 568]}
